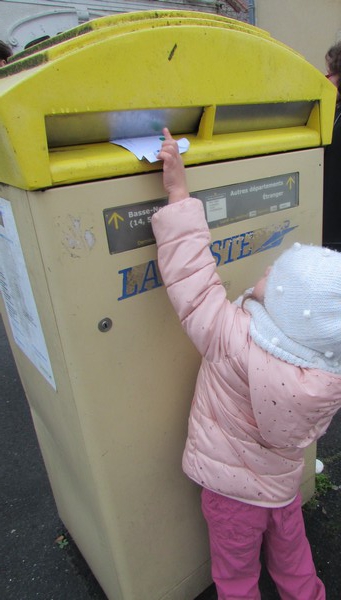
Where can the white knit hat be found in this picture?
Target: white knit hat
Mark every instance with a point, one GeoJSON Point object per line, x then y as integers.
{"type": "Point", "coordinates": [300, 321]}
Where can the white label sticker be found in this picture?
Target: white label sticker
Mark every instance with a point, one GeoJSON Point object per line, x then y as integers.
{"type": "Point", "coordinates": [216, 208]}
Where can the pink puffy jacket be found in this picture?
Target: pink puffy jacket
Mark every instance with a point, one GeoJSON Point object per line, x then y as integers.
{"type": "Point", "coordinates": [252, 414]}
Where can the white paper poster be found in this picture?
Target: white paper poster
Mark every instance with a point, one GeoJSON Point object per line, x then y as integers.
{"type": "Point", "coordinates": [18, 296]}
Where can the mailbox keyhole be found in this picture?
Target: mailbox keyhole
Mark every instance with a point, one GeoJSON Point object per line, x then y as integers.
{"type": "Point", "coordinates": [105, 324]}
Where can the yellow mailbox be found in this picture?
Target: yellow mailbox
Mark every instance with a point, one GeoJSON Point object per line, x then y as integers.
{"type": "Point", "coordinates": [108, 373]}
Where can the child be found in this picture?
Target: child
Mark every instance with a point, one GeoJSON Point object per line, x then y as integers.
{"type": "Point", "coordinates": [268, 386]}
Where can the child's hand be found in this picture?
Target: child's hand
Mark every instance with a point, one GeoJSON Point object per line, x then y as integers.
{"type": "Point", "coordinates": [174, 176]}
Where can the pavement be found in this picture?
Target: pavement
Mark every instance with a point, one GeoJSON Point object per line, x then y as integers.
{"type": "Point", "coordinates": [40, 559]}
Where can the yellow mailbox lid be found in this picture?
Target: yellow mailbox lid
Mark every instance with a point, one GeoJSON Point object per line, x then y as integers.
{"type": "Point", "coordinates": [227, 86]}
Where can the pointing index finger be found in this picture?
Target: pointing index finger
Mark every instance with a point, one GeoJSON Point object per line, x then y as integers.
{"type": "Point", "coordinates": [166, 133]}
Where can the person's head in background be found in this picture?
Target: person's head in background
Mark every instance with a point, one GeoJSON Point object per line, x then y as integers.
{"type": "Point", "coordinates": [5, 53]}
{"type": "Point", "coordinates": [333, 62]}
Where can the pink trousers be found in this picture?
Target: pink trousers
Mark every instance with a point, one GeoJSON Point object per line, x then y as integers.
{"type": "Point", "coordinates": [238, 530]}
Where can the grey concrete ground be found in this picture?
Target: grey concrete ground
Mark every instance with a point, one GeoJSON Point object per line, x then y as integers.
{"type": "Point", "coordinates": [39, 559]}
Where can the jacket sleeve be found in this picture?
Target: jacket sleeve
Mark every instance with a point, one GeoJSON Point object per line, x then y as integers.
{"type": "Point", "coordinates": [189, 273]}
